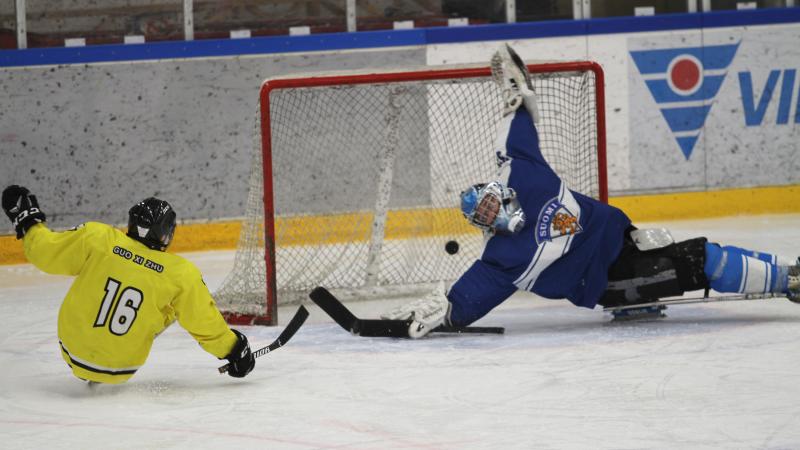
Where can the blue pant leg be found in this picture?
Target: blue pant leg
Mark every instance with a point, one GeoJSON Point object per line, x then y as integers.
{"type": "Point", "coordinates": [731, 269]}
{"type": "Point", "coordinates": [479, 290]}
{"type": "Point", "coordinates": [766, 257]}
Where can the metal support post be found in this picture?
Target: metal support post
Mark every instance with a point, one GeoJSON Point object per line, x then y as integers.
{"type": "Point", "coordinates": [22, 24]}
{"type": "Point", "coordinates": [511, 11]}
{"type": "Point", "coordinates": [581, 9]}
{"type": "Point", "coordinates": [188, 20]}
{"type": "Point", "coordinates": [350, 11]}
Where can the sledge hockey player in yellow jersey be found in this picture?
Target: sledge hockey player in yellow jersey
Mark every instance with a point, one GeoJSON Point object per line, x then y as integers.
{"type": "Point", "coordinates": [127, 290]}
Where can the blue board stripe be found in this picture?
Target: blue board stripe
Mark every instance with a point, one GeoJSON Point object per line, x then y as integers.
{"type": "Point", "coordinates": [392, 38]}
{"type": "Point", "coordinates": [210, 48]}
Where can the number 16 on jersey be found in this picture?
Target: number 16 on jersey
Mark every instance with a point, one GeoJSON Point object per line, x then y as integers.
{"type": "Point", "coordinates": [125, 307]}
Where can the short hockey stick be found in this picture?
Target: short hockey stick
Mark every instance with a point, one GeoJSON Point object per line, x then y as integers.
{"type": "Point", "coordinates": [704, 299]}
{"type": "Point", "coordinates": [378, 327]}
{"type": "Point", "coordinates": [299, 317]}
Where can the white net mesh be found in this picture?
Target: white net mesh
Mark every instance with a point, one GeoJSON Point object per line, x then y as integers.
{"type": "Point", "coordinates": [366, 181]}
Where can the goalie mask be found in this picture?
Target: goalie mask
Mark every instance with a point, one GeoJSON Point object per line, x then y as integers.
{"type": "Point", "coordinates": [152, 222]}
{"type": "Point", "coordinates": [493, 207]}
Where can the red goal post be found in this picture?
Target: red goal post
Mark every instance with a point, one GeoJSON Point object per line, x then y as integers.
{"type": "Point", "coordinates": [326, 115]}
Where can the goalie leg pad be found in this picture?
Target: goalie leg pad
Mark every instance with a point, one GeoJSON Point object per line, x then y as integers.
{"type": "Point", "coordinates": [651, 238]}
{"type": "Point", "coordinates": [690, 258]}
{"type": "Point", "coordinates": [640, 276]}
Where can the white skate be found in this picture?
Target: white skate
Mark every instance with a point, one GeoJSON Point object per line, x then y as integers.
{"type": "Point", "coordinates": [793, 293]}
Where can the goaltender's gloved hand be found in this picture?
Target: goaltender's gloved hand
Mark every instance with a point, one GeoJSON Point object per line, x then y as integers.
{"type": "Point", "coordinates": [21, 208]}
{"type": "Point", "coordinates": [241, 358]}
{"type": "Point", "coordinates": [425, 314]}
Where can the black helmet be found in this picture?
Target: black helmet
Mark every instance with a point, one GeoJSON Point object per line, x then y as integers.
{"type": "Point", "coordinates": [152, 222]}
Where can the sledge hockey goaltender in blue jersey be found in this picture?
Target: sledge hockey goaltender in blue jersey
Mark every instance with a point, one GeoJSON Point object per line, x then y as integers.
{"type": "Point", "coordinates": [544, 238]}
{"type": "Point", "coordinates": [566, 247]}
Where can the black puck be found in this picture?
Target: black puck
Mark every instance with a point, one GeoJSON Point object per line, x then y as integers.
{"type": "Point", "coordinates": [451, 247]}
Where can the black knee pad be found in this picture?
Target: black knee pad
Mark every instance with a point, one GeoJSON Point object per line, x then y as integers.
{"type": "Point", "coordinates": [639, 276]}
{"type": "Point", "coordinates": [689, 258]}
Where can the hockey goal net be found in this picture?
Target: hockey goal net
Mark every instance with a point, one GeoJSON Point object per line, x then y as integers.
{"type": "Point", "coordinates": [356, 178]}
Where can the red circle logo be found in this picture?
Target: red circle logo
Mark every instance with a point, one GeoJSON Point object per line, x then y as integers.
{"type": "Point", "coordinates": [685, 74]}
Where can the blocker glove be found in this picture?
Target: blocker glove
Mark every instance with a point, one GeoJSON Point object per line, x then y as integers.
{"type": "Point", "coordinates": [241, 358]}
{"type": "Point", "coordinates": [21, 208]}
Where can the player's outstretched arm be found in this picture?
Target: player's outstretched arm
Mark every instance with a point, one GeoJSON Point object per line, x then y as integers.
{"type": "Point", "coordinates": [198, 314]}
{"type": "Point", "coordinates": [61, 253]}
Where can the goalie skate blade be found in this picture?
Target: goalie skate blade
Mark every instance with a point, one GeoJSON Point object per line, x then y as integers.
{"type": "Point", "coordinates": [693, 300]}
{"type": "Point", "coordinates": [644, 313]}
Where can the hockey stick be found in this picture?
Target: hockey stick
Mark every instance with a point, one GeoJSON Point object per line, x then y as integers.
{"type": "Point", "coordinates": [704, 299]}
{"type": "Point", "coordinates": [299, 317]}
{"type": "Point", "coordinates": [379, 327]}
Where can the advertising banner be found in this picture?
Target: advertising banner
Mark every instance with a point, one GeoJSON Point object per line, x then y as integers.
{"type": "Point", "coordinates": [714, 108]}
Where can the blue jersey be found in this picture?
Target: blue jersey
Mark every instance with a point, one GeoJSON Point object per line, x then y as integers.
{"type": "Point", "coordinates": [566, 247]}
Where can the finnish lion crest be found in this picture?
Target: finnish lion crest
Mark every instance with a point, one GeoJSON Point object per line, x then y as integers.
{"type": "Point", "coordinates": [556, 220]}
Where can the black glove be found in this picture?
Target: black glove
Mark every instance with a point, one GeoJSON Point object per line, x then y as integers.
{"type": "Point", "coordinates": [22, 208]}
{"type": "Point", "coordinates": [240, 358]}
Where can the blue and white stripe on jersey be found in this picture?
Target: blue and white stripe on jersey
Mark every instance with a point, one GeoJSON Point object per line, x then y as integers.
{"type": "Point", "coordinates": [548, 251]}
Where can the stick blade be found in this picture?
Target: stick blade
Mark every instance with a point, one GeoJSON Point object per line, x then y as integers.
{"type": "Point", "coordinates": [334, 308]}
{"type": "Point", "coordinates": [382, 328]}
{"type": "Point", "coordinates": [291, 328]}
{"type": "Point", "coordinates": [469, 329]}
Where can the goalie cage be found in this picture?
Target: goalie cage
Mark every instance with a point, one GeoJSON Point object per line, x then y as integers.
{"type": "Point", "coordinates": [362, 173]}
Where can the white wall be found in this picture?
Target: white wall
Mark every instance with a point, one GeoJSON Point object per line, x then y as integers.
{"type": "Point", "coordinates": [88, 138]}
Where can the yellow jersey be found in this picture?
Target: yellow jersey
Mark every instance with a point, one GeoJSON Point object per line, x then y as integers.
{"type": "Point", "coordinates": [123, 296]}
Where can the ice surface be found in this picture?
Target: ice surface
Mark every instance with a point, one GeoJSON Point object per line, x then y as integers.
{"type": "Point", "coordinates": [708, 376]}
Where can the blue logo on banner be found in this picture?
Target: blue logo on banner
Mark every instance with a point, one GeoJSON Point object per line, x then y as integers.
{"type": "Point", "coordinates": [683, 82]}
